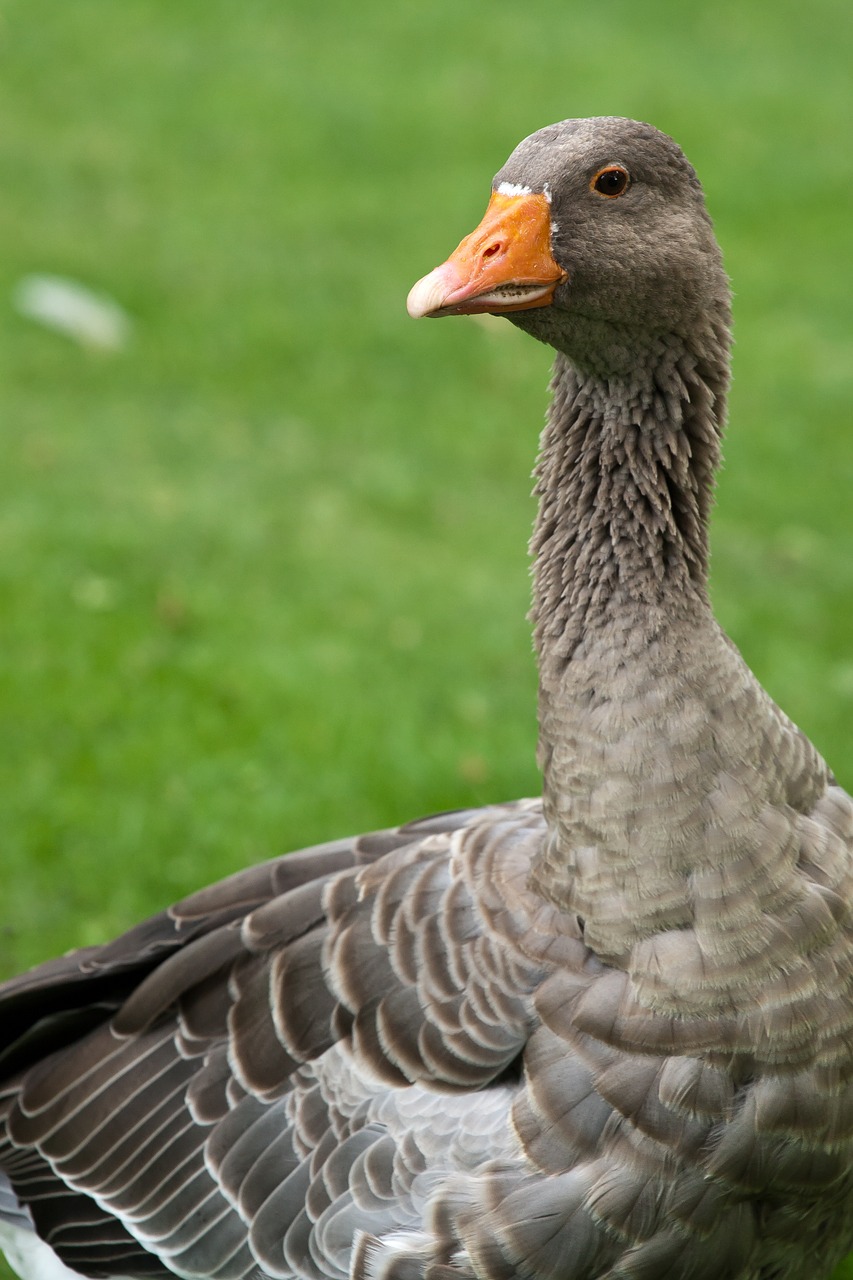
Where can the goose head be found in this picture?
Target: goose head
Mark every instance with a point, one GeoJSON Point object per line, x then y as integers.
{"type": "Point", "coordinates": [596, 240]}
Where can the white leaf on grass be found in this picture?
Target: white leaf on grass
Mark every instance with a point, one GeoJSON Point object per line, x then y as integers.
{"type": "Point", "coordinates": [89, 318]}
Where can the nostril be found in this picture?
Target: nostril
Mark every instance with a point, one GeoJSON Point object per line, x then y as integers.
{"type": "Point", "coordinates": [492, 250]}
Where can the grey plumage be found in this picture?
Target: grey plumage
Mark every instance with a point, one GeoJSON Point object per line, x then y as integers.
{"type": "Point", "coordinates": [605, 1035]}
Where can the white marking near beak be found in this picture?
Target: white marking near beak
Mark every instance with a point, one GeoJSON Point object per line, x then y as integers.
{"type": "Point", "coordinates": [514, 189]}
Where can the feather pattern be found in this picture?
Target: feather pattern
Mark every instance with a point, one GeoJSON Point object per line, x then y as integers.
{"type": "Point", "coordinates": [605, 1035]}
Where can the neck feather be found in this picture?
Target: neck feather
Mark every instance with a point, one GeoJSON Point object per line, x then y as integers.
{"type": "Point", "coordinates": [673, 785]}
{"type": "Point", "coordinates": [625, 484]}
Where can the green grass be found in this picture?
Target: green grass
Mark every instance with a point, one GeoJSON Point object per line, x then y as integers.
{"type": "Point", "coordinates": [263, 574]}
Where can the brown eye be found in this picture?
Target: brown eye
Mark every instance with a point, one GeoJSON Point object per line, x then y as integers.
{"type": "Point", "coordinates": [611, 182]}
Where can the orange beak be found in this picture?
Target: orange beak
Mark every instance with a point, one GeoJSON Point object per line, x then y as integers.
{"type": "Point", "coordinates": [505, 265]}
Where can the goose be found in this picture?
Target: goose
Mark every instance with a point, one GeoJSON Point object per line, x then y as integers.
{"type": "Point", "coordinates": [606, 1033]}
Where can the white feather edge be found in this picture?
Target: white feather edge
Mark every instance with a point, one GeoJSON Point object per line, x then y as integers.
{"type": "Point", "coordinates": [32, 1258]}
{"type": "Point", "coordinates": [375, 1253]}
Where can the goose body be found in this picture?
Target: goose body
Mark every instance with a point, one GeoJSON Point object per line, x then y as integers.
{"type": "Point", "coordinates": [606, 1034]}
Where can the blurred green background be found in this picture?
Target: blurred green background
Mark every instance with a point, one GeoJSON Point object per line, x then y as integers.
{"type": "Point", "coordinates": [263, 577]}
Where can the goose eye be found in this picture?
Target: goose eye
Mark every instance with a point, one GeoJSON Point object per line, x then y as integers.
{"type": "Point", "coordinates": [611, 182]}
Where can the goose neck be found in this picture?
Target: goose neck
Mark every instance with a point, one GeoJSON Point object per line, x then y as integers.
{"type": "Point", "coordinates": [674, 788]}
{"type": "Point", "coordinates": [625, 482]}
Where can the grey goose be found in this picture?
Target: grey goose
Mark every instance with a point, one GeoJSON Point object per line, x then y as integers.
{"type": "Point", "coordinates": [606, 1034]}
